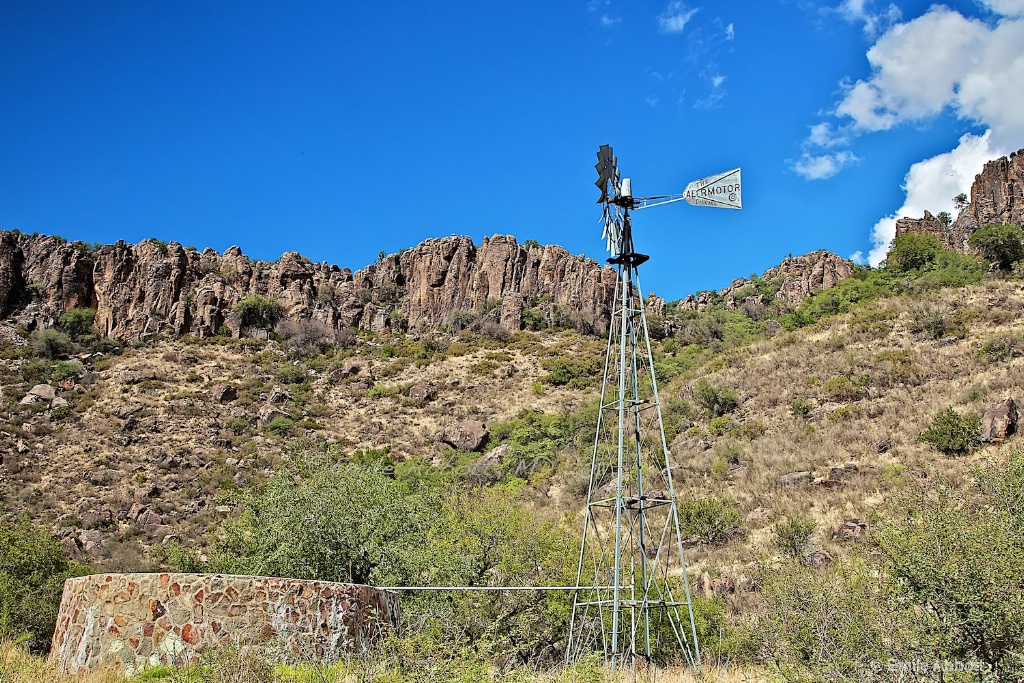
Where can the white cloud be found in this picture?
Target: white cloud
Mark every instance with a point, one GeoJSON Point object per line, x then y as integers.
{"type": "Point", "coordinates": [875, 22]}
{"type": "Point", "coordinates": [675, 17]}
{"type": "Point", "coordinates": [822, 166]}
{"type": "Point", "coordinates": [730, 32]}
{"type": "Point", "coordinates": [943, 59]}
{"type": "Point", "coordinates": [824, 136]}
{"type": "Point", "coordinates": [931, 184]}
{"type": "Point", "coordinates": [608, 21]}
{"type": "Point", "coordinates": [1007, 8]}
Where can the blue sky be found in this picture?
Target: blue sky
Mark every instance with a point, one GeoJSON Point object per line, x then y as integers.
{"type": "Point", "coordinates": [339, 129]}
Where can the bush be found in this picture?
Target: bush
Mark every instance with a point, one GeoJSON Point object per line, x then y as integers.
{"type": "Point", "coordinates": [792, 534]}
{"type": "Point", "coordinates": [573, 371]}
{"type": "Point", "coordinates": [801, 407]}
{"type": "Point", "coordinates": [77, 322]}
{"type": "Point", "coordinates": [715, 401]}
{"type": "Point", "coordinates": [291, 374]}
{"type": "Point", "coordinates": [912, 251]}
{"type": "Point", "coordinates": [709, 520]}
{"type": "Point", "coordinates": [956, 554]}
{"type": "Point", "coordinates": [259, 311]}
{"type": "Point", "coordinates": [33, 569]}
{"type": "Point", "coordinates": [50, 343]}
{"type": "Point", "coordinates": [999, 244]}
{"type": "Point", "coordinates": [280, 426]}
{"type": "Point", "coordinates": [951, 433]}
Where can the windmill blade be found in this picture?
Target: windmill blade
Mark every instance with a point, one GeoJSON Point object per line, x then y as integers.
{"type": "Point", "coordinates": [607, 173]}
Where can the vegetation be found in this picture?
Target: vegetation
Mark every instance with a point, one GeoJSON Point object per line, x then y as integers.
{"type": "Point", "coordinates": [952, 433]}
{"type": "Point", "coordinates": [77, 322]}
{"type": "Point", "coordinates": [1001, 245]}
{"type": "Point", "coordinates": [259, 311]}
{"type": "Point", "coordinates": [33, 568]}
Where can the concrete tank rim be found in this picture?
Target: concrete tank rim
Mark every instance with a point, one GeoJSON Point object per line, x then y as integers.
{"type": "Point", "coordinates": [258, 577]}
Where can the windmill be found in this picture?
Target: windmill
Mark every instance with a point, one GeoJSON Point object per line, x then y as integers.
{"type": "Point", "coordinates": [633, 598]}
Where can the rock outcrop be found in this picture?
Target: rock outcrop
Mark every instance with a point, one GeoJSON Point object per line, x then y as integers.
{"type": "Point", "coordinates": [997, 196]}
{"type": "Point", "coordinates": [141, 289]}
{"type": "Point", "coordinates": [798, 277]}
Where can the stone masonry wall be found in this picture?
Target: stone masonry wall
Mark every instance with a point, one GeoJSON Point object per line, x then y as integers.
{"type": "Point", "coordinates": [130, 621]}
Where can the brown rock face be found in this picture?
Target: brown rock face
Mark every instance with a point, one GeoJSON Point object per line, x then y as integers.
{"type": "Point", "coordinates": [997, 196]}
{"type": "Point", "coordinates": [468, 435]}
{"type": "Point", "coordinates": [801, 277]}
{"type": "Point", "coordinates": [1000, 421]}
{"type": "Point", "coordinates": [151, 287]}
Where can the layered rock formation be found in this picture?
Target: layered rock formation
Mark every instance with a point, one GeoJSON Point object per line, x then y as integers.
{"type": "Point", "coordinates": [149, 287]}
{"type": "Point", "coordinates": [797, 277]}
{"type": "Point", "coordinates": [997, 197]}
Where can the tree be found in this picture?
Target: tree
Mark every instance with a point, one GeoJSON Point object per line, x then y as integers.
{"type": "Point", "coordinates": [1000, 244]}
{"type": "Point", "coordinates": [945, 218]}
{"type": "Point", "coordinates": [961, 201]}
{"type": "Point", "coordinates": [33, 568]}
{"type": "Point", "coordinates": [259, 311]}
{"type": "Point", "coordinates": [77, 322]}
{"type": "Point", "coordinates": [912, 251]}
{"type": "Point", "coordinates": [951, 433]}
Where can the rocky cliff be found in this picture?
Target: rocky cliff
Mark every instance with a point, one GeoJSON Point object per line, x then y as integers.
{"type": "Point", "coordinates": [797, 277]}
{"type": "Point", "coordinates": [143, 288]}
{"type": "Point", "coordinates": [997, 196]}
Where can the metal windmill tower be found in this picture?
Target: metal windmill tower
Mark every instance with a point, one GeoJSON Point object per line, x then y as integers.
{"type": "Point", "coordinates": [633, 601]}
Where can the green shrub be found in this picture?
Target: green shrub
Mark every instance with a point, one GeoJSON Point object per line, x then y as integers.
{"type": "Point", "coordinates": [951, 433]}
{"type": "Point", "coordinates": [77, 322]}
{"type": "Point", "coordinates": [33, 569]}
{"type": "Point", "coordinates": [51, 343]}
{"type": "Point", "coordinates": [382, 391]}
{"type": "Point", "coordinates": [937, 322]}
{"type": "Point", "coordinates": [720, 426]}
{"type": "Point", "coordinates": [912, 251]}
{"type": "Point", "coordinates": [999, 244]}
{"type": "Point", "coordinates": [792, 534]}
{"type": "Point", "coordinates": [709, 520]}
{"type": "Point", "coordinates": [259, 311]}
{"type": "Point", "coordinates": [63, 369]}
{"type": "Point", "coordinates": [291, 374]}
{"type": "Point", "coordinates": [280, 425]}
{"type": "Point", "coordinates": [577, 372]}
{"type": "Point", "coordinates": [714, 401]}
{"type": "Point", "coordinates": [801, 407]}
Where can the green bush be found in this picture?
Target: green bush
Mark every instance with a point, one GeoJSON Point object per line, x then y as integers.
{"type": "Point", "coordinates": [956, 557]}
{"type": "Point", "coordinates": [64, 369]}
{"type": "Point", "coordinates": [577, 372]}
{"type": "Point", "coordinates": [291, 374]}
{"type": "Point", "coordinates": [792, 534]}
{"type": "Point", "coordinates": [259, 311]}
{"type": "Point", "coordinates": [999, 244]}
{"type": "Point", "coordinates": [951, 433]}
{"type": "Point", "coordinates": [714, 401]}
{"type": "Point", "coordinates": [77, 322]}
{"type": "Point", "coordinates": [912, 251]}
{"type": "Point", "coordinates": [280, 426]}
{"type": "Point", "coordinates": [709, 520]}
{"type": "Point", "coordinates": [801, 407]}
{"type": "Point", "coordinates": [51, 343]}
{"type": "Point", "coordinates": [33, 568]}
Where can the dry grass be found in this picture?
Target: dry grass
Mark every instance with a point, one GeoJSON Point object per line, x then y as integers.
{"type": "Point", "coordinates": [17, 666]}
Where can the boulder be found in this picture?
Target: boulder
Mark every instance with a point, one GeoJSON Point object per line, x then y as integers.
{"type": "Point", "coordinates": [1000, 421]}
{"type": "Point", "coordinates": [422, 391]}
{"type": "Point", "coordinates": [43, 391]}
{"type": "Point", "coordinates": [223, 393]}
{"type": "Point", "coordinates": [794, 479]}
{"type": "Point", "coordinates": [278, 395]}
{"type": "Point", "coordinates": [852, 529]}
{"type": "Point", "coordinates": [268, 414]}
{"type": "Point", "coordinates": [467, 435]}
